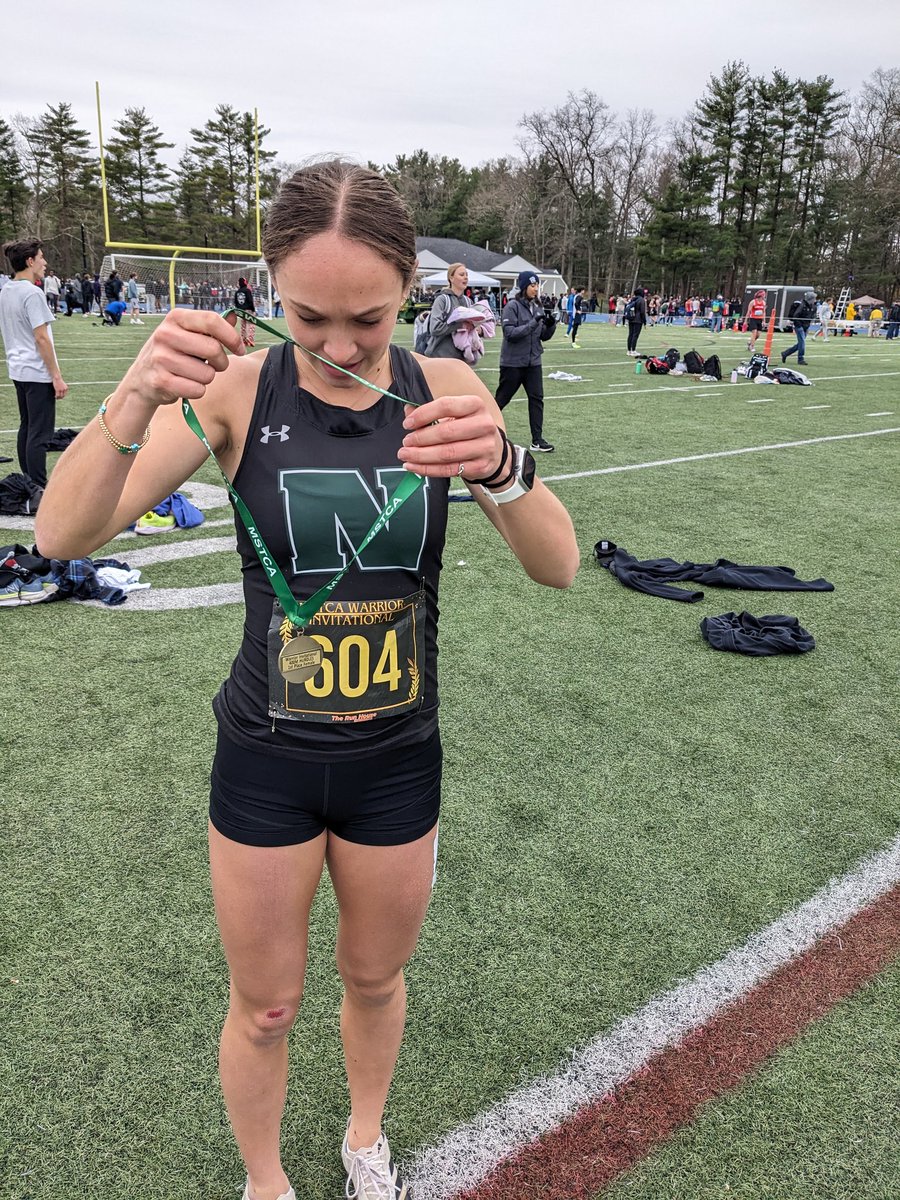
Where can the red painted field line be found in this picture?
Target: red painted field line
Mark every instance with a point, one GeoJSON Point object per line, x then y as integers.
{"type": "Point", "coordinates": [606, 1138]}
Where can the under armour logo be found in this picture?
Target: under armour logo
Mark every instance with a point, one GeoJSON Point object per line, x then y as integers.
{"type": "Point", "coordinates": [281, 434]}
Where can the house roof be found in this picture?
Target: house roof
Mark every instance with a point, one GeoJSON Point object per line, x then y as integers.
{"type": "Point", "coordinates": [428, 260]}
{"type": "Point", "coordinates": [512, 266]}
{"type": "Point", "coordinates": [455, 250]}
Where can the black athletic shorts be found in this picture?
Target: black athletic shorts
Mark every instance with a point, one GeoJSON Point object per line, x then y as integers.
{"type": "Point", "coordinates": [754, 323]}
{"type": "Point", "coordinates": [386, 799]}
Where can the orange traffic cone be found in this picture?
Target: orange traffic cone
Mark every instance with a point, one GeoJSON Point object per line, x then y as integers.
{"type": "Point", "coordinates": [770, 333]}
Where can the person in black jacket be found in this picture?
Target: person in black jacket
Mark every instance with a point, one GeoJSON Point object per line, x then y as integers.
{"type": "Point", "coordinates": [892, 329]}
{"type": "Point", "coordinates": [636, 316]}
{"type": "Point", "coordinates": [802, 313]}
{"type": "Point", "coordinates": [526, 326]}
{"type": "Point", "coordinates": [113, 287]}
{"type": "Point", "coordinates": [243, 302]}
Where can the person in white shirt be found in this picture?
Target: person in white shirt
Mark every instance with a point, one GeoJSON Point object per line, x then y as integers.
{"type": "Point", "coordinates": [51, 290]}
{"type": "Point", "coordinates": [825, 313]}
{"type": "Point", "coordinates": [25, 320]}
{"type": "Point", "coordinates": [133, 293]}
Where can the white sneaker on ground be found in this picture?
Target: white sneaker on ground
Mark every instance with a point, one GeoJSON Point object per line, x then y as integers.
{"type": "Point", "coordinates": [371, 1172]}
{"type": "Point", "coordinates": [290, 1194]}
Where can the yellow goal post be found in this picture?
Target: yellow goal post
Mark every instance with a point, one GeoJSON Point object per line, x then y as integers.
{"type": "Point", "coordinates": [202, 281]}
{"type": "Point", "coordinates": [173, 252]}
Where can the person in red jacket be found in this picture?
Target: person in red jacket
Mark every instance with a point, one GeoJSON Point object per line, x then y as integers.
{"type": "Point", "coordinates": [756, 315]}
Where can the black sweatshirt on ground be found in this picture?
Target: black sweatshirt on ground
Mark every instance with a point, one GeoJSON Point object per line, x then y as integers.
{"type": "Point", "coordinates": [655, 575]}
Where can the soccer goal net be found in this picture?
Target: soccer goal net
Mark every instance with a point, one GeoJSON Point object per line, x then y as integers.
{"type": "Point", "coordinates": [204, 283]}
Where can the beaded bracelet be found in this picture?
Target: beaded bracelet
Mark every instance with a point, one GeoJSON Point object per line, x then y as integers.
{"type": "Point", "coordinates": [120, 446]}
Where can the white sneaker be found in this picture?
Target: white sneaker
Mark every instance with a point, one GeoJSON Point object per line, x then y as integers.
{"type": "Point", "coordinates": [290, 1194]}
{"type": "Point", "coordinates": [371, 1173]}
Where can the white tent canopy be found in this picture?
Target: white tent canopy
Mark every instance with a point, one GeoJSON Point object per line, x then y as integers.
{"type": "Point", "coordinates": [439, 280]}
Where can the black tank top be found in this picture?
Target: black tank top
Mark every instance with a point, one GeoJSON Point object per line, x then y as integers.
{"type": "Point", "coordinates": [315, 476]}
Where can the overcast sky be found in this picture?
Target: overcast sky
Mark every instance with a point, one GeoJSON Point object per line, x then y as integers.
{"type": "Point", "coordinates": [371, 80]}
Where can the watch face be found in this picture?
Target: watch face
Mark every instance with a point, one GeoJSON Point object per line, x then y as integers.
{"type": "Point", "coordinates": [527, 472]}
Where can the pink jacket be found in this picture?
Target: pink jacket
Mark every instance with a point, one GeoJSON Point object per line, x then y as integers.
{"type": "Point", "coordinates": [474, 322]}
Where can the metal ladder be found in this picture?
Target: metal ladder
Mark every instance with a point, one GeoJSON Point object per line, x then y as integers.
{"type": "Point", "coordinates": [843, 301]}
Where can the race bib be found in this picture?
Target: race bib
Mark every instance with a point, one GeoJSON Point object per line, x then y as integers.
{"type": "Point", "coordinates": [373, 655]}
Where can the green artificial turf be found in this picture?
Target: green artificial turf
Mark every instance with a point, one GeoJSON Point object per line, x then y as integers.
{"type": "Point", "coordinates": [621, 805]}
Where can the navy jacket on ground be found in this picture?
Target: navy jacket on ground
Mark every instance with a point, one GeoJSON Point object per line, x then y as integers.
{"type": "Point", "coordinates": [655, 575]}
{"type": "Point", "coordinates": [746, 634]}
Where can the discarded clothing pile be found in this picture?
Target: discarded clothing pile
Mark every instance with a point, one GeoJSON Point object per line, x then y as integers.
{"type": "Point", "coordinates": [566, 377]}
{"type": "Point", "coordinates": [61, 439]}
{"type": "Point", "coordinates": [757, 635]}
{"type": "Point", "coordinates": [19, 496]}
{"type": "Point", "coordinates": [177, 505]}
{"type": "Point", "coordinates": [653, 575]}
{"type": "Point", "coordinates": [774, 634]}
{"type": "Point", "coordinates": [28, 578]}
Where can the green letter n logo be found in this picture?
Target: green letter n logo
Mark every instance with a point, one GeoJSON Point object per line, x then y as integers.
{"type": "Point", "coordinates": [329, 512]}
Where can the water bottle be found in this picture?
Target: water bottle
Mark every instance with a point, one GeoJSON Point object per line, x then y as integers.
{"type": "Point", "coordinates": [734, 375]}
{"type": "Point", "coordinates": [638, 366]}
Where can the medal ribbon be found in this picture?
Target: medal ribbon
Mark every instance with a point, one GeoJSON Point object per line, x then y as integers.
{"type": "Point", "coordinates": [300, 614]}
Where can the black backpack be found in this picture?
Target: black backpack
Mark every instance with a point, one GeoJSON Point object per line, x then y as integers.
{"type": "Point", "coordinates": [672, 357]}
{"type": "Point", "coordinates": [712, 366]}
{"type": "Point", "coordinates": [693, 362]}
{"type": "Point", "coordinates": [631, 310]}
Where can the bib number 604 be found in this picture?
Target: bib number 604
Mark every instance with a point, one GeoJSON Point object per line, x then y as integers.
{"type": "Point", "coordinates": [355, 675]}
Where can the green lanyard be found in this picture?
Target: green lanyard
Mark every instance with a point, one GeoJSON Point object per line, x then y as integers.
{"type": "Point", "coordinates": [300, 614]}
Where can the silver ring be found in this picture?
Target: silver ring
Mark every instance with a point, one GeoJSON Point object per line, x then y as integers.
{"type": "Point", "coordinates": [462, 467]}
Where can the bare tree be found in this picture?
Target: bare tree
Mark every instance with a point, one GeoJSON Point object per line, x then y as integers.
{"type": "Point", "coordinates": [627, 178]}
{"type": "Point", "coordinates": [578, 139]}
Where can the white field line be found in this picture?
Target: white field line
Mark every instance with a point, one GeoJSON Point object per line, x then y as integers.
{"type": "Point", "coordinates": [686, 458]}
{"type": "Point", "coordinates": [211, 495]}
{"type": "Point", "coordinates": [880, 414]}
{"type": "Point", "coordinates": [80, 383]}
{"type": "Point", "coordinates": [687, 388]}
{"type": "Point", "coordinates": [469, 1153]}
{"type": "Point", "coordinates": [811, 407]}
{"type": "Point", "coordinates": [575, 363]}
{"type": "Point", "coordinates": [167, 599]}
{"type": "Point", "coordinates": [763, 400]}
{"type": "Point", "coordinates": [93, 357]}
{"type": "Point", "coordinates": [853, 378]}
{"type": "Point", "coordinates": [16, 430]}
{"type": "Point", "coordinates": [178, 550]}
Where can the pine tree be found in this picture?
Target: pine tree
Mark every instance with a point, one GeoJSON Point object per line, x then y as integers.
{"type": "Point", "coordinates": [779, 102]}
{"type": "Point", "coordinates": [69, 184]}
{"type": "Point", "coordinates": [223, 155]}
{"type": "Point", "coordinates": [13, 189]}
{"type": "Point", "coordinates": [719, 117]}
{"type": "Point", "coordinates": [138, 182]}
{"type": "Point", "coordinates": [578, 139]}
{"type": "Point", "coordinates": [822, 108]}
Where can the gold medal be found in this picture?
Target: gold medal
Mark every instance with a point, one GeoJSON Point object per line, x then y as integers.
{"type": "Point", "coordinates": [300, 659]}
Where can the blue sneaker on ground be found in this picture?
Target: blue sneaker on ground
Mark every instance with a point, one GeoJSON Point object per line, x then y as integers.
{"type": "Point", "coordinates": [18, 591]}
